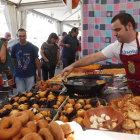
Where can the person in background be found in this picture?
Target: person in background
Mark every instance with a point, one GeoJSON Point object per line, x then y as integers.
{"type": "Point", "coordinates": [8, 36]}
{"type": "Point", "coordinates": [6, 62]}
{"type": "Point", "coordinates": [126, 49]}
{"type": "Point", "coordinates": [61, 47]}
{"type": "Point", "coordinates": [5, 41]}
{"type": "Point", "coordinates": [69, 43]}
{"type": "Point", "coordinates": [12, 42]}
{"type": "Point", "coordinates": [78, 51]}
{"type": "Point", "coordinates": [37, 49]}
{"type": "Point", "coordinates": [23, 56]}
{"type": "Point", "coordinates": [50, 54]}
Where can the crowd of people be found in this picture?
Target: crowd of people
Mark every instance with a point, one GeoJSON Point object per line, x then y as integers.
{"type": "Point", "coordinates": [24, 58]}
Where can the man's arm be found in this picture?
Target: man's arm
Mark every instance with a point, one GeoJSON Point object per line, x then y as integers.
{"type": "Point", "coordinates": [43, 55]}
{"type": "Point", "coordinates": [3, 54]}
{"type": "Point", "coordinates": [87, 60]}
{"type": "Point", "coordinates": [64, 45]}
{"type": "Point", "coordinates": [38, 68]}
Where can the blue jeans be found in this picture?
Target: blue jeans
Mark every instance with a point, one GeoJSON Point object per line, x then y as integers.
{"type": "Point", "coordinates": [67, 61]}
{"type": "Point", "coordinates": [24, 83]}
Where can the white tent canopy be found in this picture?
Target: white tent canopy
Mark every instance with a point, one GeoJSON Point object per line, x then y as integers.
{"type": "Point", "coordinates": [51, 8]}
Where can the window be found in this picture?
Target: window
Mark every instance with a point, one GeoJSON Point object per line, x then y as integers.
{"type": "Point", "coordinates": [3, 24]}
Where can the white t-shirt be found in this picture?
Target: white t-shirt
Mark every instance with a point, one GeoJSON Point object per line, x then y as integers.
{"type": "Point", "coordinates": [113, 50]}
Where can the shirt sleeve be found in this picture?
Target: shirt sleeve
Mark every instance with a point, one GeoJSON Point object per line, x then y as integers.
{"type": "Point", "coordinates": [112, 50]}
{"type": "Point", "coordinates": [64, 39]}
{"type": "Point", "coordinates": [35, 52]}
{"type": "Point", "coordinates": [13, 52]}
{"type": "Point", "coordinates": [42, 46]}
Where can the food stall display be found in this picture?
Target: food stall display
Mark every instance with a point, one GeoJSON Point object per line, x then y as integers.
{"type": "Point", "coordinates": [52, 109]}
{"type": "Point", "coordinates": [129, 106]}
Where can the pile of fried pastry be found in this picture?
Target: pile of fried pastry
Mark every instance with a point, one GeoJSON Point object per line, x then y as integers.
{"type": "Point", "coordinates": [21, 125]}
{"type": "Point", "coordinates": [130, 107]}
{"type": "Point", "coordinates": [75, 109]}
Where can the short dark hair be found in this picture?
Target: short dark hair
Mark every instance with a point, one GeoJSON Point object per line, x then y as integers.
{"type": "Point", "coordinates": [73, 29]}
{"type": "Point", "coordinates": [52, 35]}
{"type": "Point", "coordinates": [124, 19]}
{"type": "Point", "coordinates": [3, 39]}
{"type": "Point", "coordinates": [21, 29]}
{"type": "Point", "coordinates": [64, 33]}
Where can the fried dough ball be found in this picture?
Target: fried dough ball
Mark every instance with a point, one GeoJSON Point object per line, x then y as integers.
{"type": "Point", "coordinates": [29, 94]}
{"type": "Point", "coordinates": [22, 99]}
{"type": "Point", "coordinates": [35, 105]}
{"type": "Point", "coordinates": [81, 101]}
{"type": "Point", "coordinates": [128, 124]}
{"type": "Point", "coordinates": [125, 131]}
{"type": "Point", "coordinates": [68, 105]}
{"type": "Point", "coordinates": [61, 98]}
{"type": "Point", "coordinates": [8, 106]}
{"type": "Point", "coordinates": [58, 103]}
{"type": "Point", "coordinates": [78, 106]}
{"type": "Point", "coordinates": [42, 94]}
{"type": "Point", "coordinates": [137, 123]}
{"type": "Point", "coordinates": [88, 106]}
{"type": "Point", "coordinates": [134, 114]}
{"type": "Point", "coordinates": [79, 120]}
{"type": "Point", "coordinates": [133, 107]}
{"type": "Point", "coordinates": [127, 96]}
{"type": "Point", "coordinates": [136, 131]}
{"type": "Point", "coordinates": [44, 113]}
{"type": "Point", "coordinates": [51, 97]}
{"type": "Point", "coordinates": [136, 100]}
{"type": "Point", "coordinates": [80, 113]}
{"type": "Point", "coordinates": [13, 112]}
{"type": "Point", "coordinates": [22, 107]}
{"type": "Point", "coordinates": [63, 118]}
{"type": "Point", "coordinates": [38, 116]}
{"type": "Point", "coordinates": [120, 104]}
{"type": "Point", "coordinates": [88, 101]}
{"type": "Point", "coordinates": [72, 101]}
{"type": "Point", "coordinates": [112, 105]}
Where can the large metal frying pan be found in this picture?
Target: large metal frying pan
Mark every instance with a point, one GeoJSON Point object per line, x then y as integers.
{"type": "Point", "coordinates": [85, 84]}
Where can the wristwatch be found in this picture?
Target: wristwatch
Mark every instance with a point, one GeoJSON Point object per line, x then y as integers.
{"type": "Point", "coordinates": [39, 75]}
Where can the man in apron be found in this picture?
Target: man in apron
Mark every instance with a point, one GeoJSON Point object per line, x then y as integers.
{"type": "Point", "coordinates": [126, 49]}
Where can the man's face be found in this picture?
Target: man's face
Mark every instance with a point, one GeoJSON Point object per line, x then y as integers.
{"type": "Point", "coordinates": [8, 36]}
{"type": "Point", "coordinates": [22, 37]}
{"type": "Point", "coordinates": [120, 31]}
{"type": "Point", "coordinates": [76, 33]}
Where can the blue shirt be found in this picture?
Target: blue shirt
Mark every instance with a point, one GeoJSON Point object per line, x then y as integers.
{"type": "Point", "coordinates": [25, 56]}
{"type": "Point", "coordinates": [73, 42]}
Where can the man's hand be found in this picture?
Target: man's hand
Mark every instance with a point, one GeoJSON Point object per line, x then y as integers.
{"type": "Point", "coordinates": [68, 70]}
{"type": "Point", "coordinates": [46, 60]}
{"type": "Point", "coordinates": [67, 45]}
{"type": "Point", "coordinates": [38, 78]}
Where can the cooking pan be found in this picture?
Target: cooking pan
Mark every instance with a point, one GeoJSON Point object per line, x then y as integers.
{"type": "Point", "coordinates": [85, 84]}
